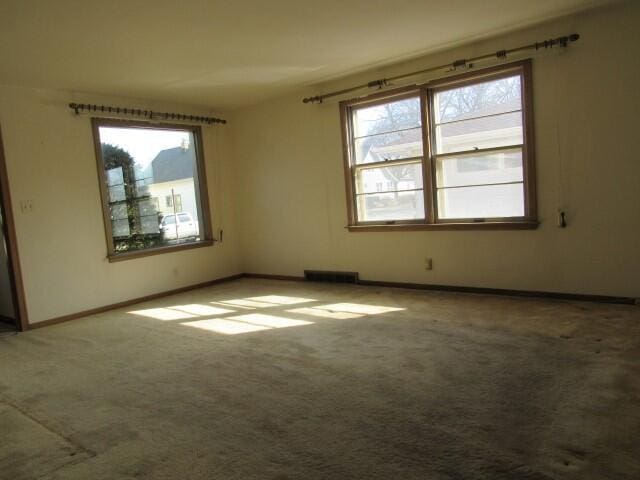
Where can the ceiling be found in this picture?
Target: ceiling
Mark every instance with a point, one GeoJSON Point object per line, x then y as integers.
{"type": "Point", "coordinates": [224, 53]}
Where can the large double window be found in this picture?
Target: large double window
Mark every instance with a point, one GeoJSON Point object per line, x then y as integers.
{"type": "Point", "coordinates": [455, 153]}
{"type": "Point", "coordinates": [153, 187]}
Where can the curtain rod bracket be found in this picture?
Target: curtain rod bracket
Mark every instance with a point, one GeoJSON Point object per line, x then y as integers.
{"type": "Point", "coordinates": [315, 99]}
{"type": "Point", "coordinates": [378, 83]}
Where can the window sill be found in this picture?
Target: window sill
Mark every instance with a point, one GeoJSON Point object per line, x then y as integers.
{"type": "Point", "coordinates": [118, 257]}
{"type": "Point", "coordinates": [522, 225]}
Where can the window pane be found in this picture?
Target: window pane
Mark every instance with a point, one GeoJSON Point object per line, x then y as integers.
{"type": "Point", "coordinates": [115, 177]}
{"type": "Point", "coordinates": [150, 173]}
{"type": "Point", "coordinates": [116, 193]}
{"type": "Point", "coordinates": [149, 224]}
{"type": "Point", "coordinates": [492, 201]}
{"type": "Point", "coordinates": [389, 146]}
{"type": "Point", "coordinates": [487, 132]}
{"type": "Point", "coordinates": [390, 206]}
{"type": "Point", "coordinates": [120, 228]}
{"type": "Point", "coordinates": [479, 169]}
{"type": "Point", "coordinates": [389, 117]}
{"type": "Point", "coordinates": [385, 179]}
{"type": "Point", "coordinates": [119, 211]}
{"type": "Point", "coordinates": [478, 100]}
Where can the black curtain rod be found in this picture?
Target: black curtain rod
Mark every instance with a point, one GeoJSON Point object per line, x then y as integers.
{"type": "Point", "coordinates": [137, 112]}
{"type": "Point", "coordinates": [464, 63]}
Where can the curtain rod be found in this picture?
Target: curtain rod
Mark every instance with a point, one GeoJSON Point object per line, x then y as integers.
{"type": "Point", "coordinates": [463, 63]}
{"type": "Point", "coordinates": [149, 114]}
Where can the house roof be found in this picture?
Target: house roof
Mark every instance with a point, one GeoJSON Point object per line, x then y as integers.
{"type": "Point", "coordinates": [173, 164]}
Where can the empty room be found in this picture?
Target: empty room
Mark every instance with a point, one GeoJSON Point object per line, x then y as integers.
{"type": "Point", "coordinates": [300, 239]}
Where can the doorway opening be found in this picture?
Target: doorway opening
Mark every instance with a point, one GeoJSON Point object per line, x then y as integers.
{"type": "Point", "coordinates": [13, 311]}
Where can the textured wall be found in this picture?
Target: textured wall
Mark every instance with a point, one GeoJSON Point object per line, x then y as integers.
{"type": "Point", "coordinates": [51, 162]}
{"type": "Point", "coordinates": [586, 102]}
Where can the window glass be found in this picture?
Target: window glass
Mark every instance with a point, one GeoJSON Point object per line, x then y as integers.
{"type": "Point", "coordinates": [407, 205]}
{"type": "Point", "coordinates": [480, 133]}
{"type": "Point", "coordinates": [475, 176]}
{"type": "Point", "coordinates": [150, 174]}
{"type": "Point", "coordinates": [396, 178]}
{"type": "Point", "coordinates": [389, 146]}
{"type": "Point", "coordinates": [479, 169]}
{"type": "Point", "coordinates": [493, 201]}
{"type": "Point", "coordinates": [478, 100]}
{"type": "Point", "coordinates": [387, 117]}
{"type": "Point", "coordinates": [388, 131]}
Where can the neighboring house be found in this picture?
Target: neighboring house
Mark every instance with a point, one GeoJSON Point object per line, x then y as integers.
{"type": "Point", "coordinates": [172, 177]}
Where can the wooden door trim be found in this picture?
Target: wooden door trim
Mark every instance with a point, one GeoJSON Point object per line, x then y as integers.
{"type": "Point", "coordinates": [15, 272]}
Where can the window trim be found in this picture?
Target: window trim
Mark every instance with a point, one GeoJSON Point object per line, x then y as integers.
{"type": "Point", "coordinates": [425, 93]}
{"type": "Point", "coordinates": [202, 192]}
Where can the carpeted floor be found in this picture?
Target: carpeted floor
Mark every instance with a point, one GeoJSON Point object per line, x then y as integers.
{"type": "Point", "coordinates": [258, 379]}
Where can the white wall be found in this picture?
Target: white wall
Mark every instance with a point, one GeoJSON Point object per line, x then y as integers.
{"type": "Point", "coordinates": [51, 162]}
{"type": "Point", "coordinates": [586, 102]}
{"type": "Point", "coordinates": [280, 165]}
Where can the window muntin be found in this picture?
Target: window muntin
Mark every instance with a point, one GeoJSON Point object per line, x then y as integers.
{"type": "Point", "coordinates": [150, 174]}
{"type": "Point", "coordinates": [477, 164]}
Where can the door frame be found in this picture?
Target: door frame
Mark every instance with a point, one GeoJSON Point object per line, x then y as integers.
{"type": "Point", "coordinates": [9, 231]}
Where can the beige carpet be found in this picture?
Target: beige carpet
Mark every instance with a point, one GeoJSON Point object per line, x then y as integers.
{"type": "Point", "coordinates": [257, 379]}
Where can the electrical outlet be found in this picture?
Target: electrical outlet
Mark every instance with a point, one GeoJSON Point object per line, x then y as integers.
{"type": "Point", "coordinates": [428, 263]}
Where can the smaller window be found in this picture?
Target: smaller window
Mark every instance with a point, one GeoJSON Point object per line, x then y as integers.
{"type": "Point", "coordinates": [142, 168]}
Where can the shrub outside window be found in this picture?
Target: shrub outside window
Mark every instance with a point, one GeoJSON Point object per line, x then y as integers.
{"type": "Point", "coordinates": [455, 153]}
{"type": "Point", "coordinates": [153, 188]}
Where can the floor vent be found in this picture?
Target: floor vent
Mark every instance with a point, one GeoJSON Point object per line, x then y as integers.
{"type": "Point", "coordinates": [333, 277]}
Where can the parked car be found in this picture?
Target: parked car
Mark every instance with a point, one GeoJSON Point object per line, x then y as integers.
{"type": "Point", "coordinates": [185, 227]}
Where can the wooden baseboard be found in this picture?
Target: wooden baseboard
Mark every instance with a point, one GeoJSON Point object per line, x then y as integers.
{"type": "Point", "coordinates": [133, 301]}
{"type": "Point", "coordinates": [371, 283]}
{"type": "Point", "coordinates": [481, 290]}
{"type": "Point", "coordinates": [502, 291]}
